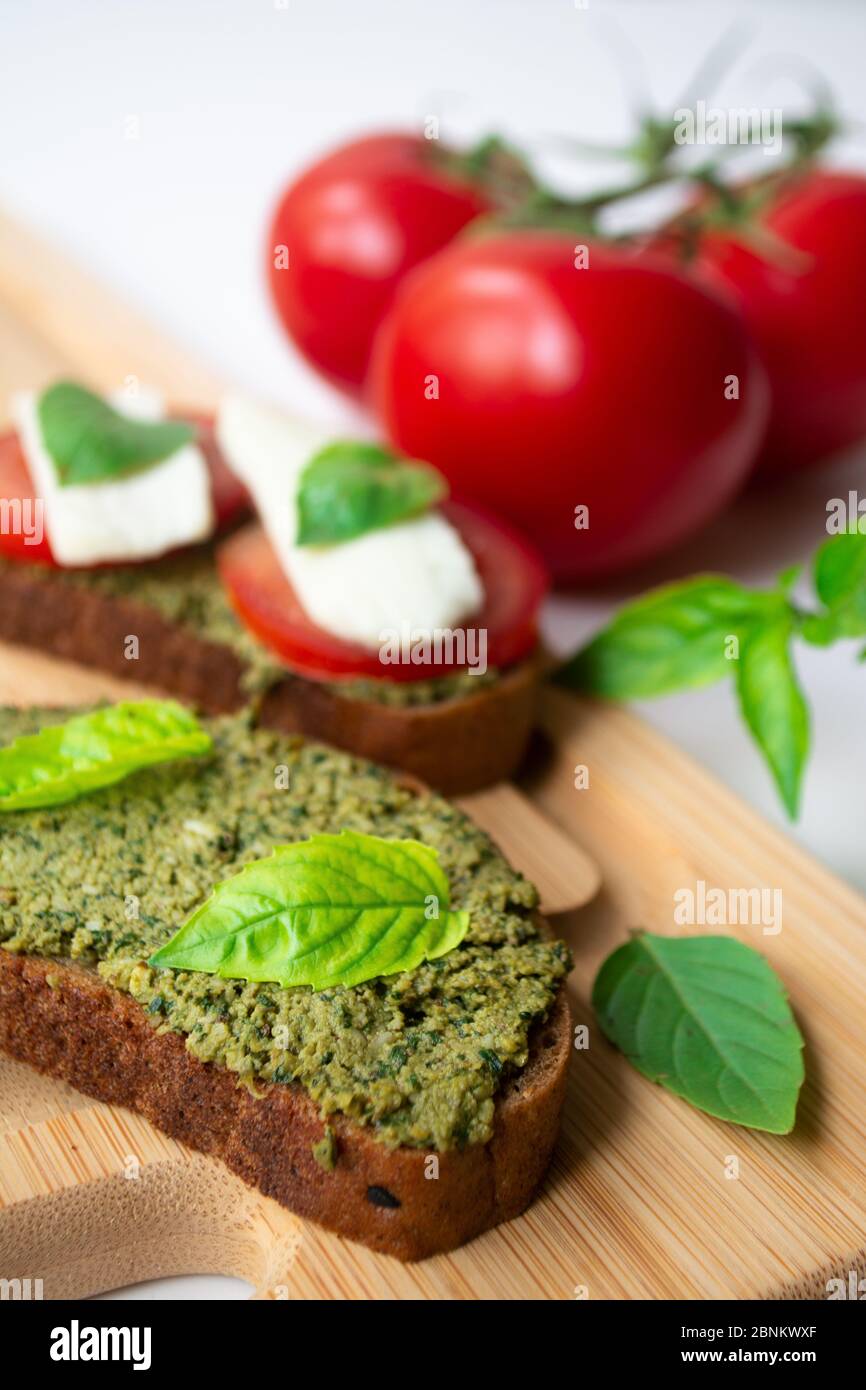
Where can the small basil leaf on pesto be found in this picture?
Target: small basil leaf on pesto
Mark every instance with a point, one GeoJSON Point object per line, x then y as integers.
{"type": "Point", "coordinates": [89, 751]}
{"type": "Point", "coordinates": [330, 910]}
{"type": "Point", "coordinates": [351, 487]}
{"type": "Point", "coordinates": [89, 441]}
{"type": "Point", "coordinates": [705, 1017]}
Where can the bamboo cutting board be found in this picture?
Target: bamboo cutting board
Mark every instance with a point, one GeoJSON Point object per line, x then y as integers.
{"type": "Point", "coordinates": [646, 1198]}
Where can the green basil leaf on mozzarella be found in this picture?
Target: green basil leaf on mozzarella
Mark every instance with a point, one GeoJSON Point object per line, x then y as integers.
{"type": "Point", "coordinates": [89, 441]}
{"type": "Point", "coordinates": [351, 487]}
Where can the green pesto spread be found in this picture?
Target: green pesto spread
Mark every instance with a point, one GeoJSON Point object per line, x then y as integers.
{"type": "Point", "coordinates": [325, 1151]}
{"type": "Point", "coordinates": [186, 590]}
{"type": "Point", "coordinates": [410, 694]}
{"type": "Point", "coordinates": [418, 1056]}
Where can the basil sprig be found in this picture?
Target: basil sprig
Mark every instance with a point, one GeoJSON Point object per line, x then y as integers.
{"type": "Point", "coordinates": [330, 910]}
{"type": "Point", "coordinates": [705, 1017]}
{"type": "Point", "coordinates": [89, 441]}
{"type": "Point", "coordinates": [351, 487]}
{"type": "Point", "coordinates": [89, 751]}
{"type": "Point", "coordinates": [689, 634]}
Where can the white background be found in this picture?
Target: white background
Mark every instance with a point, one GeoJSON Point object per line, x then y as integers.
{"type": "Point", "coordinates": [230, 97]}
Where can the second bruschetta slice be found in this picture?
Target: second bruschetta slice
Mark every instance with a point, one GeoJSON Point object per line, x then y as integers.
{"type": "Point", "coordinates": [409, 637]}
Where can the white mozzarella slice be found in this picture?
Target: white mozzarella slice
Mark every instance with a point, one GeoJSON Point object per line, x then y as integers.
{"type": "Point", "coordinates": [138, 517]}
{"type": "Point", "coordinates": [417, 573]}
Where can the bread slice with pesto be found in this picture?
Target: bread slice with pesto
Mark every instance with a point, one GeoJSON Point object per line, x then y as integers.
{"type": "Point", "coordinates": [169, 624]}
{"type": "Point", "coordinates": [410, 1111]}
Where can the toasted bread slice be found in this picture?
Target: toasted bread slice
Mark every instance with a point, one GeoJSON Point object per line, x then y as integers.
{"type": "Point", "coordinates": [80, 1030]}
{"type": "Point", "coordinates": [457, 746]}
{"type": "Point", "coordinates": [168, 834]}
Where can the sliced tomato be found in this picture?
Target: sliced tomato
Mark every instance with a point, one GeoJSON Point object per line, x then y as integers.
{"type": "Point", "coordinates": [16, 506]}
{"type": "Point", "coordinates": [514, 578]}
{"type": "Point", "coordinates": [16, 493]}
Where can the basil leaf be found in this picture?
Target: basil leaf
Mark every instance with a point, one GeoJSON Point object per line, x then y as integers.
{"type": "Point", "coordinates": [840, 568]}
{"type": "Point", "coordinates": [774, 707]}
{"type": "Point", "coordinates": [840, 583]}
{"type": "Point", "coordinates": [349, 488]}
{"type": "Point", "coordinates": [93, 750]}
{"type": "Point", "coordinates": [788, 579]}
{"type": "Point", "coordinates": [331, 910]}
{"type": "Point", "coordinates": [91, 442]}
{"type": "Point", "coordinates": [673, 638]}
{"type": "Point", "coordinates": [706, 1018]}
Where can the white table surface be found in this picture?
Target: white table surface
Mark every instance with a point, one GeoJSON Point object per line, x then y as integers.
{"type": "Point", "coordinates": [229, 97]}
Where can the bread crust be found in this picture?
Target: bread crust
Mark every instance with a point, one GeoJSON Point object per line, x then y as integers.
{"type": "Point", "coordinates": [456, 746]}
{"type": "Point", "coordinates": [81, 1030]}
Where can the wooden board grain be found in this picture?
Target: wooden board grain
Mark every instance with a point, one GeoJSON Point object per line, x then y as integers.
{"type": "Point", "coordinates": [646, 1198]}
